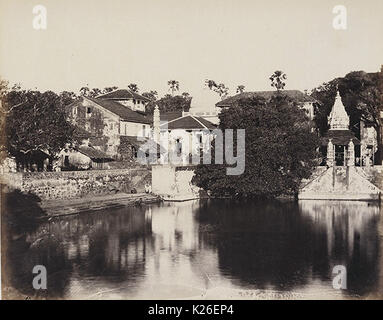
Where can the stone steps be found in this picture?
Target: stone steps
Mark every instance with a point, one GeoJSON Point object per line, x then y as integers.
{"type": "Point", "coordinates": [334, 184]}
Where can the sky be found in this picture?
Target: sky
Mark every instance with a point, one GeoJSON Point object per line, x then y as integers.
{"type": "Point", "coordinates": [148, 42]}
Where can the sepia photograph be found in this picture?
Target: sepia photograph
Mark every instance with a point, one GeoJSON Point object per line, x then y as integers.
{"type": "Point", "coordinates": [191, 151]}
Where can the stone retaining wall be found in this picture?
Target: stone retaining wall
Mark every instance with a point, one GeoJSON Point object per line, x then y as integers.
{"type": "Point", "coordinates": [373, 174]}
{"type": "Point", "coordinates": [172, 181]}
{"type": "Point", "coordinates": [77, 184]}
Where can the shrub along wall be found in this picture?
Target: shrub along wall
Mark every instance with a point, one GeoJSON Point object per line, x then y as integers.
{"type": "Point", "coordinates": [77, 184]}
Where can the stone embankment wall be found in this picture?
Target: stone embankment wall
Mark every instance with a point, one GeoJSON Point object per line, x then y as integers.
{"type": "Point", "coordinates": [344, 183]}
{"type": "Point", "coordinates": [77, 184]}
{"type": "Point", "coordinates": [172, 181]}
{"type": "Point", "coordinates": [373, 174]}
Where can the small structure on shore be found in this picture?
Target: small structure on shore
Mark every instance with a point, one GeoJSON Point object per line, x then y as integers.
{"type": "Point", "coordinates": [340, 179]}
{"type": "Point", "coordinates": [185, 138]}
{"type": "Point", "coordinates": [83, 157]}
{"type": "Point", "coordinates": [340, 143]}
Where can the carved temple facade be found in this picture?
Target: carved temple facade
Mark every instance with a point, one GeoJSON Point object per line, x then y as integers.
{"type": "Point", "coordinates": [344, 174]}
{"type": "Point", "coordinates": [340, 146]}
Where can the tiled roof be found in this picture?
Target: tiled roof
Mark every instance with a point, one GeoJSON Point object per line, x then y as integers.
{"type": "Point", "coordinates": [293, 94]}
{"type": "Point", "coordinates": [125, 113]}
{"type": "Point", "coordinates": [122, 94]}
{"type": "Point", "coordinates": [189, 122]}
{"type": "Point", "coordinates": [93, 153]}
{"type": "Point", "coordinates": [340, 137]}
{"type": "Point", "coordinates": [206, 123]}
{"type": "Point", "coordinates": [168, 116]}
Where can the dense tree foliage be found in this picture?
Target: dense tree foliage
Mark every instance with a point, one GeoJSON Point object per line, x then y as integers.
{"type": "Point", "coordinates": [361, 94]}
{"type": "Point", "coordinates": [170, 103]}
{"type": "Point", "coordinates": [35, 120]}
{"type": "Point", "coordinates": [280, 150]}
{"type": "Point", "coordinates": [152, 95]}
{"type": "Point", "coordinates": [67, 97]}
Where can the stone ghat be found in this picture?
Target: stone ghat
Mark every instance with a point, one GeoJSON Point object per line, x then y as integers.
{"type": "Point", "coordinates": [343, 183]}
{"type": "Point", "coordinates": [77, 184]}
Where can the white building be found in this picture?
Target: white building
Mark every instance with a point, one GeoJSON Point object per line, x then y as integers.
{"type": "Point", "coordinates": [183, 137]}
{"type": "Point", "coordinates": [203, 105]}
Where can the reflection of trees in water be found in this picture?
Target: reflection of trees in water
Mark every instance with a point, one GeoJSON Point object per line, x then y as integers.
{"type": "Point", "coordinates": [22, 256]}
{"type": "Point", "coordinates": [116, 248]}
{"type": "Point", "coordinates": [352, 238]}
{"type": "Point", "coordinates": [109, 245]}
{"type": "Point", "coordinates": [21, 253]}
{"type": "Point", "coordinates": [280, 244]}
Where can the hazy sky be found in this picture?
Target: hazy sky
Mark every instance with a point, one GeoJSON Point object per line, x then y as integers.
{"type": "Point", "coordinates": [148, 42]}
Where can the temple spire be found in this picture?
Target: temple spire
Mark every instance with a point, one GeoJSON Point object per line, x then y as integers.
{"type": "Point", "coordinates": [156, 124]}
{"type": "Point", "coordinates": [338, 118]}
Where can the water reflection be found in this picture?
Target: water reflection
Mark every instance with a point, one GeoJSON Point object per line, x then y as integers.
{"type": "Point", "coordinates": [204, 249]}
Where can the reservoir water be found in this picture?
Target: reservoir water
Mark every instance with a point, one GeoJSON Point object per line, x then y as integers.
{"type": "Point", "coordinates": [206, 249]}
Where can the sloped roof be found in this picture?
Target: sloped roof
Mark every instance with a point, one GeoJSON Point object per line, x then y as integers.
{"type": "Point", "coordinates": [340, 137]}
{"type": "Point", "coordinates": [93, 153]}
{"type": "Point", "coordinates": [122, 94]}
{"type": "Point", "coordinates": [189, 122]}
{"type": "Point", "coordinates": [168, 116]}
{"type": "Point", "coordinates": [293, 94]}
{"type": "Point", "coordinates": [125, 113]}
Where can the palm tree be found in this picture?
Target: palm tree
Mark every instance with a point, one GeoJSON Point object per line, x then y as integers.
{"type": "Point", "coordinates": [174, 85]}
{"type": "Point", "coordinates": [240, 88]}
{"type": "Point", "coordinates": [220, 88]}
{"type": "Point", "coordinates": [210, 84]}
{"type": "Point", "coordinates": [186, 95]}
{"type": "Point", "coordinates": [133, 87]}
{"type": "Point", "coordinates": [277, 80]}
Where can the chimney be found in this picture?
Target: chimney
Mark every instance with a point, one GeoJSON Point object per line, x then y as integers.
{"type": "Point", "coordinates": [156, 124]}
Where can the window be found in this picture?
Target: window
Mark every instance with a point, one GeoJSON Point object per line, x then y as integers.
{"type": "Point", "coordinates": [143, 130]}
{"type": "Point", "coordinates": [134, 101]}
{"type": "Point", "coordinates": [74, 110]}
{"type": "Point", "coordinates": [88, 110]}
{"type": "Point", "coordinates": [111, 126]}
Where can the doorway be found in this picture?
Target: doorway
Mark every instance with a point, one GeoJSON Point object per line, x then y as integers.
{"type": "Point", "coordinates": [340, 155]}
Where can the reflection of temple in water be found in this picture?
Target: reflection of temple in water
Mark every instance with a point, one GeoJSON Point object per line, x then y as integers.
{"type": "Point", "coordinates": [178, 250]}
{"type": "Point", "coordinates": [352, 235]}
{"type": "Point", "coordinates": [349, 219]}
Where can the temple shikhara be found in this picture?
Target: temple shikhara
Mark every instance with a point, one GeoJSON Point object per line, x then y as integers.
{"type": "Point", "coordinates": [340, 146]}
{"type": "Point", "coordinates": [340, 142]}
{"type": "Point", "coordinates": [346, 171]}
